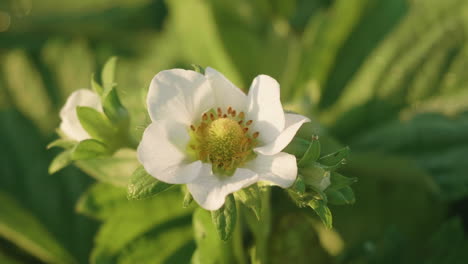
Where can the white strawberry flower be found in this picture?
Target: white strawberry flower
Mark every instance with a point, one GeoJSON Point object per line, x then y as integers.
{"type": "Point", "coordinates": [70, 124]}
{"type": "Point", "coordinates": [208, 134]}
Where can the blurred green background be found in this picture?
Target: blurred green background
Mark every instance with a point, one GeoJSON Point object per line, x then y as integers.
{"type": "Point", "coordinates": [389, 78]}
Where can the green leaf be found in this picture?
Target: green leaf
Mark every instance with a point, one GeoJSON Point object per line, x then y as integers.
{"type": "Point", "coordinates": [135, 220]}
{"type": "Point", "coordinates": [115, 170]}
{"type": "Point", "coordinates": [335, 158]}
{"type": "Point", "coordinates": [114, 109]}
{"type": "Point", "coordinates": [142, 185]}
{"type": "Point", "coordinates": [60, 161]}
{"type": "Point", "coordinates": [312, 153]}
{"type": "Point", "coordinates": [63, 143]}
{"type": "Point", "coordinates": [108, 75]}
{"type": "Point", "coordinates": [251, 198]}
{"type": "Point", "coordinates": [101, 200]}
{"type": "Point", "coordinates": [322, 211]}
{"type": "Point", "coordinates": [225, 218]}
{"type": "Point", "coordinates": [210, 249]}
{"type": "Point", "coordinates": [96, 124]}
{"type": "Point", "coordinates": [23, 229]}
{"type": "Point", "coordinates": [341, 196]}
{"type": "Point", "coordinates": [89, 149]}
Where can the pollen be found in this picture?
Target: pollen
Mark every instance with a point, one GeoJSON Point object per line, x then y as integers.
{"type": "Point", "coordinates": [222, 140]}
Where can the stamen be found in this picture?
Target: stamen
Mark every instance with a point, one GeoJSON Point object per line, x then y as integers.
{"type": "Point", "coordinates": [219, 111]}
{"type": "Point", "coordinates": [240, 122]}
{"type": "Point", "coordinates": [205, 117]}
{"type": "Point", "coordinates": [248, 123]}
{"type": "Point", "coordinates": [192, 127]}
{"type": "Point", "coordinates": [245, 129]}
{"type": "Point", "coordinates": [212, 117]}
{"type": "Point", "coordinates": [255, 135]}
{"type": "Point", "coordinates": [241, 115]}
{"type": "Point", "coordinates": [224, 116]}
{"type": "Point", "coordinates": [229, 110]}
{"type": "Point", "coordinates": [233, 113]}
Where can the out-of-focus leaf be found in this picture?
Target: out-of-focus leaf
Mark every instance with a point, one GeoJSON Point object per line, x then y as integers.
{"type": "Point", "coordinates": [132, 221]}
{"type": "Point", "coordinates": [23, 175]}
{"type": "Point", "coordinates": [115, 170]}
{"type": "Point", "coordinates": [89, 149]}
{"type": "Point", "coordinates": [142, 185]}
{"type": "Point", "coordinates": [210, 249]}
{"type": "Point", "coordinates": [101, 201]}
{"type": "Point", "coordinates": [22, 228]}
{"type": "Point", "coordinates": [225, 218]}
{"type": "Point", "coordinates": [26, 89]}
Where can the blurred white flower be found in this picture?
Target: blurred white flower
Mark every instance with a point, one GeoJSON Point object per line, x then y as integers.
{"type": "Point", "coordinates": [70, 124]}
{"type": "Point", "coordinates": [208, 134]}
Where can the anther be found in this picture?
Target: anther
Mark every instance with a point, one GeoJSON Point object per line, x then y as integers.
{"type": "Point", "coordinates": [224, 115]}
{"type": "Point", "coordinates": [248, 123]}
{"type": "Point", "coordinates": [240, 122]}
{"type": "Point", "coordinates": [212, 116]}
{"type": "Point", "coordinates": [219, 111]}
{"type": "Point", "coordinates": [192, 127]}
{"type": "Point", "coordinates": [245, 129]}
{"type": "Point", "coordinates": [229, 110]}
{"type": "Point", "coordinates": [233, 113]}
{"type": "Point", "coordinates": [205, 117]}
{"type": "Point", "coordinates": [241, 115]}
{"type": "Point", "coordinates": [255, 135]}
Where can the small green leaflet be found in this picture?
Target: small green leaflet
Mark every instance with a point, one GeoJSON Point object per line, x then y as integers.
{"type": "Point", "coordinates": [142, 185]}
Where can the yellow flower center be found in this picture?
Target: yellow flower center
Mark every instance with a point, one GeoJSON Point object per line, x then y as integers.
{"type": "Point", "coordinates": [222, 139]}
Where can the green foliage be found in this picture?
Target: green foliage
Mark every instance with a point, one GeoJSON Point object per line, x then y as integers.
{"type": "Point", "coordinates": [225, 218]}
{"type": "Point", "coordinates": [142, 185]}
{"type": "Point", "coordinates": [23, 229]}
{"type": "Point", "coordinates": [387, 78]}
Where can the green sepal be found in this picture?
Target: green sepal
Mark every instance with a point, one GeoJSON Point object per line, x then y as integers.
{"type": "Point", "coordinates": [114, 109]}
{"type": "Point", "coordinates": [188, 198]}
{"type": "Point", "coordinates": [108, 75]}
{"type": "Point", "coordinates": [142, 185]}
{"type": "Point", "coordinates": [198, 68]}
{"type": "Point", "coordinates": [96, 124]}
{"type": "Point", "coordinates": [336, 158]}
{"type": "Point", "coordinates": [338, 181]}
{"type": "Point", "coordinates": [62, 143]}
{"type": "Point", "coordinates": [60, 161]}
{"type": "Point", "coordinates": [316, 177]}
{"type": "Point", "coordinates": [322, 210]}
{"type": "Point", "coordinates": [341, 196]}
{"type": "Point", "coordinates": [97, 88]}
{"type": "Point", "coordinates": [299, 185]}
{"type": "Point", "coordinates": [225, 218]}
{"type": "Point", "coordinates": [250, 197]}
{"type": "Point", "coordinates": [312, 153]}
{"type": "Point", "coordinates": [89, 149]}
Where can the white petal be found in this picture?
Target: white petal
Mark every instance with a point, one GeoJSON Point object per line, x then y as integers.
{"type": "Point", "coordinates": [265, 108]}
{"type": "Point", "coordinates": [162, 155]}
{"type": "Point", "coordinates": [179, 95]}
{"type": "Point", "coordinates": [279, 169]}
{"type": "Point", "coordinates": [226, 93]}
{"type": "Point", "coordinates": [293, 123]}
{"type": "Point", "coordinates": [71, 125]}
{"type": "Point", "coordinates": [210, 191]}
